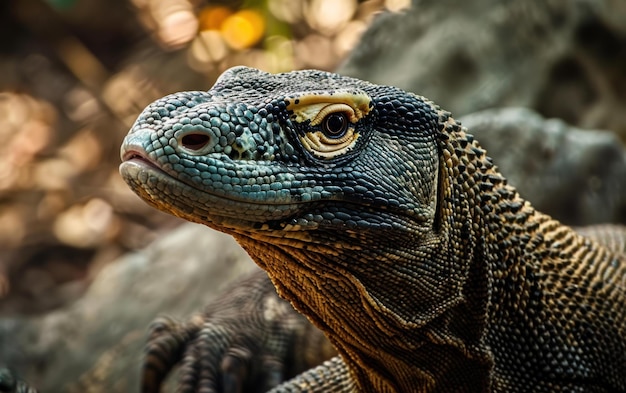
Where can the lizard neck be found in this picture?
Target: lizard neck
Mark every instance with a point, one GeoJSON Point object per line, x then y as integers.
{"type": "Point", "coordinates": [539, 275]}
{"type": "Point", "coordinates": [480, 212]}
{"type": "Point", "coordinates": [394, 301]}
{"type": "Point", "coordinates": [388, 327]}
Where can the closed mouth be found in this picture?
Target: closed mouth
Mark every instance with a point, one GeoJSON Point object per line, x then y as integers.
{"type": "Point", "coordinates": [138, 157]}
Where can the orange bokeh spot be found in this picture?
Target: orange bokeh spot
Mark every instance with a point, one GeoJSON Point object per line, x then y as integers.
{"type": "Point", "coordinates": [212, 17]}
{"type": "Point", "coordinates": [243, 29]}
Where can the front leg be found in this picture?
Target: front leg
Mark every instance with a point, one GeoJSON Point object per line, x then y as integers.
{"type": "Point", "coordinates": [247, 340]}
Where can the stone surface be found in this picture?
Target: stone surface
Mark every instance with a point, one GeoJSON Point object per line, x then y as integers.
{"type": "Point", "coordinates": [95, 345]}
{"type": "Point", "coordinates": [577, 176]}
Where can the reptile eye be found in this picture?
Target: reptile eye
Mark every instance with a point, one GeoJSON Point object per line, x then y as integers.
{"type": "Point", "coordinates": [332, 127]}
{"type": "Point", "coordinates": [335, 125]}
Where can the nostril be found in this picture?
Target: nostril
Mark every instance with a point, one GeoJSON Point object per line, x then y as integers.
{"type": "Point", "coordinates": [195, 141]}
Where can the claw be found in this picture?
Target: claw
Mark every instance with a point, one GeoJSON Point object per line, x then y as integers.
{"type": "Point", "coordinates": [164, 349]}
{"type": "Point", "coordinates": [196, 373]}
{"type": "Point", "coordinates": [275, 370]}
{"type": "Point", "coordinates": [235, 369]}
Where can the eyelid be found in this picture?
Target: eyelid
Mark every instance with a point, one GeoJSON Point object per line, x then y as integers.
{"type": "Point", "coordinates": [326, 148]}
{"type": "Point", "coordinates": [334, 108]}
{"type": "Point", "coordinates": [313, 106]}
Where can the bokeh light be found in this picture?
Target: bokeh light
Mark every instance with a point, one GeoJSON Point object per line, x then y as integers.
{"type": "Point", "coordinates": [329, 16]}
{"type": "Point", "coordinates": [397, 5]}
{"type": "Point", "coordinates": [312, 33]}
{"type": "Point", "coordinates": [212, 17]}
{"type": "Point", "coordinates": [243, 29]}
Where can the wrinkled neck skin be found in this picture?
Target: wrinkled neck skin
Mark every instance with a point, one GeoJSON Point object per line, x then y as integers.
{"type": "Point", "coordinates": [406, 307]}
{"type": "Point", "coordinates": [387, 327]}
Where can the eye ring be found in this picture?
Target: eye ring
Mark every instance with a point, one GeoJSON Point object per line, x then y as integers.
{"type": "Point", "coordinates": [335, 125]}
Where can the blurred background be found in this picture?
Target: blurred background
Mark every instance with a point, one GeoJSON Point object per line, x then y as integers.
{"type": "Point", "coordinates": [74, 74]}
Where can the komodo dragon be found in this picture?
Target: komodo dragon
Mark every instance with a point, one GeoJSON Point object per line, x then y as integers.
{"type": "Point", "coordinates": [385, 223]}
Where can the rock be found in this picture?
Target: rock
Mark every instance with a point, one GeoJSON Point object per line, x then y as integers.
{"type": "Point", "coordinates": [577, 176]}
{"type": "Point", "coordinates": [95, 344]}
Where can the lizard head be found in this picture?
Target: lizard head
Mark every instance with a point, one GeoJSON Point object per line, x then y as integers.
{"type": "Point", "coordinates": [288, 152]}
{"type": "Point", "coordinates": [311, 172]}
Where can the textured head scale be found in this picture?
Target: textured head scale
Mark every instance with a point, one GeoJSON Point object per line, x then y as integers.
{"type": "Point", "coordinates": [257, 140]}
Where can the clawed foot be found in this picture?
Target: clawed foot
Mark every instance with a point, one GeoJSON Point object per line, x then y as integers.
{"type": "Point", "coordinates": [247, 341]}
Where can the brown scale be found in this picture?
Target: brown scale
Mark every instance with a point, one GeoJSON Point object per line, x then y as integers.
{"type": "Point", "coordinates": [564, 260]}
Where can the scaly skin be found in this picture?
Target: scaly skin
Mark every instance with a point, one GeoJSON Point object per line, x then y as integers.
{"type": "Point", "coordinates": [380, 219]}
{"type": "Point", "coordinates": [255, 358]}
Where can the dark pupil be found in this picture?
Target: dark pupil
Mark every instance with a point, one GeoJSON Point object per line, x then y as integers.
{"type": "Point", "coordinates": [335, 125]}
